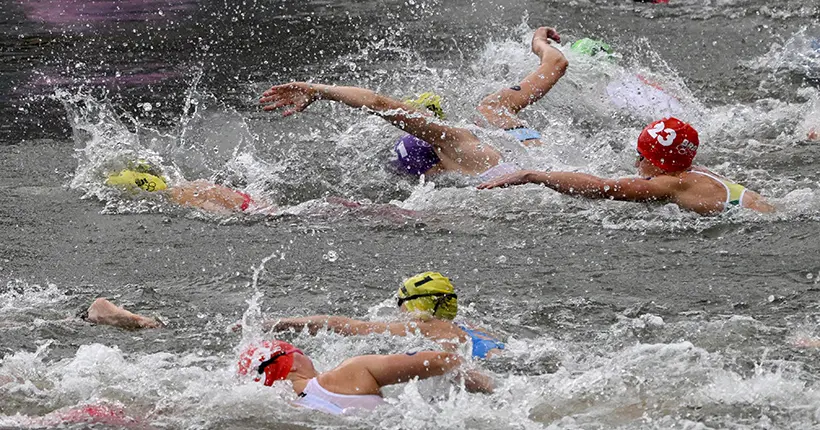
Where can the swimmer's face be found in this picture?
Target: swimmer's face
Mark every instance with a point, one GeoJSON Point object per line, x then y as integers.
{"type": "Point", "coordinates": [641, 164]}
{"type": "Point", "coordinates": [644, 166]}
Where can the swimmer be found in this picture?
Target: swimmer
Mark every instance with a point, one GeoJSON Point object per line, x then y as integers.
{"type": "Point", "coordinates": [666, 149]}
{"type": "Point", "coordinates": [430, 300]}
{"type": "Point", "coordinates": [103, 312]}
{"type": "Point", "coordinates": [354, 384]}
{"type": "Point", "coordinates": [199, 194]}
{"type": "Point", "coordinates": [634, 93]}
{"type": "Point", "coordinates": [434, 147]}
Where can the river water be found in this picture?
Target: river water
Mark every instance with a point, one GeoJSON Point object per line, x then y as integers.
{"type": "Point", "coordinates": [616, 315]}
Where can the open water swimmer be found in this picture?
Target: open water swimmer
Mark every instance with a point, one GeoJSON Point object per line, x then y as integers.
{"type": "Point", "coordinates": [666, 149]}
{"type": "Point", "coordinates": [200, 194]}
{"type": "Point", "coordinates": [430, 300]}
{"type": "Point", "coordinates": [357, 382]}
{"type": "Point", "coordinates": [434, 147]}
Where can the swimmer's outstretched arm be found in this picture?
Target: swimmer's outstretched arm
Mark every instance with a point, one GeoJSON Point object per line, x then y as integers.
{"type": "Point", "coordinates": [593, 187]}
{"type": "Point", "coordinates": [458, 148]}
{"type": "Point", "coordinates": [341, 325]}
{"type": "Point", "coordinates": [106, 313]}
{"type": "Point", "coordinates": [399, 368]}
{"type": "Point", "coordinates": [501, 107]}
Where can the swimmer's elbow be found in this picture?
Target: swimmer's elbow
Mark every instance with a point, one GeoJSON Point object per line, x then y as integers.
{"type": "Point", "coordinates": [561, 65]}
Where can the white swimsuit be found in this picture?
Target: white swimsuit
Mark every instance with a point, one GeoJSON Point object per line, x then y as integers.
{"type": "Point", "coordinates": [316, 397]}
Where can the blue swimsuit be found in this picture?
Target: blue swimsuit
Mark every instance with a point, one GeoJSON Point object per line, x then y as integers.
{"type": "Point", "coordinates": [483, 343]}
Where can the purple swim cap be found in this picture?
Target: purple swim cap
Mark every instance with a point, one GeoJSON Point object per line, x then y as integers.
{"type": "Point", "coordinates": [415, 156]}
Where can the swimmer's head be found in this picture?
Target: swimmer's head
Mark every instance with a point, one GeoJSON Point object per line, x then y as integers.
{"type": "Point", "coordinates": [267, 361]}
{"type": "Point", "coordinates": [430, 101]}
{"type": "Point", "coordinates": [414, 156]}
{"type": "Point", "coordinates": [132, 179]}
{"type": "Point", "coordinates": [669, 144]}
{"type": "Point", "coordinates": [593, 48]}
{"type": "Point", "coordinates": [429, 294]}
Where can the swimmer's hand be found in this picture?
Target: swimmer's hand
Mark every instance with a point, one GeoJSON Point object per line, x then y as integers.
{"type": "Point", "coordinates": [297, 95]}
{"type": "Point", "coordinates": [542, 39]}
{"type": "Point", "coordinates": [277, 325]}
{"type": "Point", "coordinates": [517, 178]}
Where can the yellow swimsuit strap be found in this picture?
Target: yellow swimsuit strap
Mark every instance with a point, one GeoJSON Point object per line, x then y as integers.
{"type": "Point", "coordinates": [734, 191]}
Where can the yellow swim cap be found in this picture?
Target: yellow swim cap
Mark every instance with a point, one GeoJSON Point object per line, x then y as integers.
{"type": "Point", "coordinates": [430, 101]}
{"type": "Point", "coordinates": [129, 179]}
{"type": "Point", "coordinates": [429, 292]}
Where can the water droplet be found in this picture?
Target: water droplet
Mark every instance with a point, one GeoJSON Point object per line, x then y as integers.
{"type": "Point", "coordinates": [331, 256]}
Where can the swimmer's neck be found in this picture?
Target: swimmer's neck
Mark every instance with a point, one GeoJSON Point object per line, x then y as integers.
{"type": "Point", "coordinates": [301, 373]}
{"type": "Point", "coordinates": [648, 170]}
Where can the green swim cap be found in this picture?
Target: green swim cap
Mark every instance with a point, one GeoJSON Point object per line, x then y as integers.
{"type": "Point", "coordinates": [591, 47]}
{"type": "Point", "coordinates": [431, 293]}
{"type": "Point", "coordinates": [430, 101]}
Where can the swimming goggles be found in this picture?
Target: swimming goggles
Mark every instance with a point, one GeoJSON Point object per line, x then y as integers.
{"type": "Point", "coordinates": [273, 359]}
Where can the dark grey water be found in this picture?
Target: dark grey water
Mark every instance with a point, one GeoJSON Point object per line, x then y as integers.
{"type": "Point", "coordinates": [616, 315]}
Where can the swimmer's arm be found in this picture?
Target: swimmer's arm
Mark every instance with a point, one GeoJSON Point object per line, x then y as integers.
{"type": "Point", "coordinates": [500, 108]}
{"type": "Point", "coordinates": [399, 368]}
{"type": "Point", "coordinates": [103, 312]}
{"type": "Point", "coordinates": [458, 149]}
{"type": "Point", "coordinates": [299, 95]}
{"type": "Point", "coordinates": [341, 325]}
{"type": "Point", "coordinates": [589, 186]}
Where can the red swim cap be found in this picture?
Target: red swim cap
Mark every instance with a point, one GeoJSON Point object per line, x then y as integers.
{"type": "Point", "coordinates": [670, 144]}
{"type": "Point", "coordinates": [274, 358]}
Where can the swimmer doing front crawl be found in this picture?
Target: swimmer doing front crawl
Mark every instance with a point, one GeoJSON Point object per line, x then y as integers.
{"type": "Point", "coordinates": [430, 301]}
{"type": "Point", "coordinates": [357, 382]}
{"type": "Point", "coordinates": [200, 194]}
{"type": "Point", "coordinates": [666, 149]}
{"type": "Point", "coordinates": [354, 384]}
{"type": "Point", "coordinates": [434, 147]}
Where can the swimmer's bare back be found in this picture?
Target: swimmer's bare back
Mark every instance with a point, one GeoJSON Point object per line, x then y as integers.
{"type": "Point", "coordinates": [217, 198]}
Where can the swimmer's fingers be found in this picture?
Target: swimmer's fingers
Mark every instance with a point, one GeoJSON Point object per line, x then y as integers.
{"type": "Point", "coordinates": [294, 96]}
{"type": "Point", "coordinates": [280, 89]}
{"type": "Point", "coordinates": [553, 34]}
{"type": "Point", "coordinates": [277, 105]}
{"type": "Point", "coordinates": [298, 106]}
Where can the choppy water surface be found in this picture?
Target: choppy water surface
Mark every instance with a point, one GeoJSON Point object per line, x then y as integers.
{"type": "Point", "coordinates": [616, 315]}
